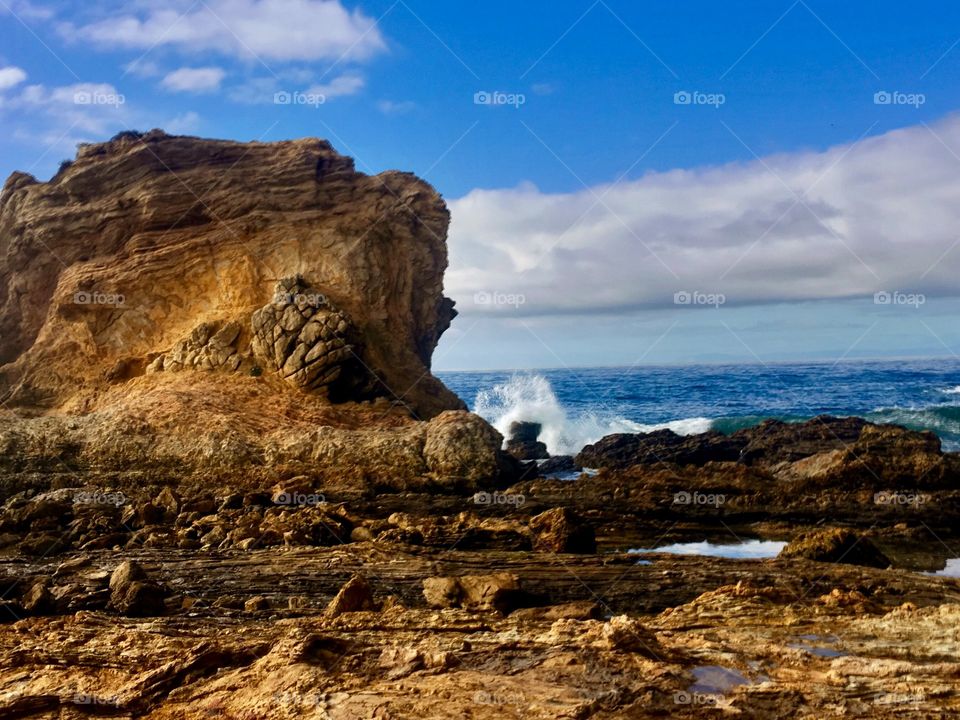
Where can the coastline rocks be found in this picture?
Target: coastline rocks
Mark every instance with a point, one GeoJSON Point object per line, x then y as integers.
{"type": "Point", "coordinates": [132, 593]}
{"type": "Point", "coordinates": [500, 592]}
{"type": "Point", "coordinates": [661, 446]}
{"type": "Point", "coordinates": [356, 595]}
{"type": "Point", "coordinates": [463, 449]}
{"type": "Point", "coordinates": [560, 530]}
{"type": "Point", "coordinates": [523, 441]}
{"type": "Point", "coordinates": [136, 278]}
{"type": "Point", "coordinates": [836, 545]}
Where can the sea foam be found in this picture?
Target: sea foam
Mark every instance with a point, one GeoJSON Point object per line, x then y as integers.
{"type": "Point", "coordinates": [530, 397]}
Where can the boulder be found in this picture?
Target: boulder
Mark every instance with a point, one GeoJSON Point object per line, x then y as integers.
{"type": "Point", "coordinates": [835, 545]}
{"type": "Point", "coordinates": [356, 595]}
{"type": "Point", "coordinates": [560, 530]}
{"type": "Point", "coordinates": [523, 441]}
{"type": "Point", "coordinates": [132, 593]}
{"type": "Point", "coordinates": [500, 592]}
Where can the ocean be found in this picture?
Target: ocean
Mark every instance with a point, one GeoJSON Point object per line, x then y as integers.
{"type": "Point", "coordinates": [579, 406]}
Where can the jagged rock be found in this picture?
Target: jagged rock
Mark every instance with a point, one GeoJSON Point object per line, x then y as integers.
{"type": "Point", "coordinates": [559, 530]}
{"type": "Point", "coordinates": [131, 592]}
{"type": "Point", "coordinates": [134, 260]}
{"type": "Point", "coordinates": [308, 341]}
{"type": "Point", "coordinates": [354, 596]}
{"type": "Point", "coordinates": [500, 592]}
{"type": "Point", "coordinates": [661, 446]}
{"type": "Point", "coordinates": [630, 635]}
{"type": "Point", "coordinates": [523, 441]}
{"type": "Point", "coordinates": [558, 464]}
{"type": "Point", "coordinates": [836, 545]}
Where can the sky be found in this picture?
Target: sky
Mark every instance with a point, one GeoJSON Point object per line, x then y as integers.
{"type": "Point", "coordinates": [653, 182]}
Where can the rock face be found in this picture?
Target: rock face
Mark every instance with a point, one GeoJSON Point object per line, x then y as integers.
{"type": "Point", "coordinates": [164, 252]}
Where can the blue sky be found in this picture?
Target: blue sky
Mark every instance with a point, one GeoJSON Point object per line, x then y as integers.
{"type": "Point", "coordinates": [786, 191]}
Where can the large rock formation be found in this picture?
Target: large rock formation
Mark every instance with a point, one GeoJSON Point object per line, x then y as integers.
{"type": "Point", "coordinates": [172, 305]}
{"type": "Point", "coordinates": [161, 252]}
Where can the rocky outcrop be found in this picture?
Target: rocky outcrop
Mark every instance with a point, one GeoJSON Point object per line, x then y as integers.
{"type": "Point", "coordinates": [162, 252]}
{"type": "Point", "coordinates": [836, 545]}
{"type": "Point", "coordinates": [523, 441]}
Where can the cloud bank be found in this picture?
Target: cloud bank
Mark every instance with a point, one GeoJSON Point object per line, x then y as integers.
{"type": "Point", "coordinates": [881, 214]}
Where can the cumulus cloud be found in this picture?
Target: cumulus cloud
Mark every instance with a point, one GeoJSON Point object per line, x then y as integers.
{"type": "Point", "coordinates": [282, 30]}
{"type": "Point", "coordinates": [393, 107]}
{"type": "Point", "coordinates": [196, 80]}
{"type": "Point", "coordinates": [880, 214]}
{"type": "Point", "coordinates": [349, 84]}
{"type": "Point", "coordinates": [10, 77]}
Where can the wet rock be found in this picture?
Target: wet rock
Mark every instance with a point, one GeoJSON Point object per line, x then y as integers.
{"type": "Point", "coordinates": [523, 441]}
{"type": "Point", "coordinates": [661, 446]}
{"type": "Point", "coordinates": [560, 530]}
{"type": "Point", "coordinates": [557, 464]}
{"type": "Point", "coordinates": [836, 545]}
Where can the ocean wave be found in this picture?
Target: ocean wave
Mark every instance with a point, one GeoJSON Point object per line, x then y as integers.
{"type": "Point", "coordinates": [951, 391]}
{"type": "Point", "coordinates": [531, 398]}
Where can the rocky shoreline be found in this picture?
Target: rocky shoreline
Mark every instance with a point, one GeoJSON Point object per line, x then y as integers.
{"type": "Point", "coordinates": [231, 487]}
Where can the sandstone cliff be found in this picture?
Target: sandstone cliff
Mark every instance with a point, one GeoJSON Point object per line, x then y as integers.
{"type": "Point", "coordinates": [152, 253]}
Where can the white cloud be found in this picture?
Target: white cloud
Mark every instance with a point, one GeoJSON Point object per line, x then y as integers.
{"type": "Point", "coordinates": [142, 68]}
{"type": "Point", "coordinates": [881, 215]}
{"type": "Point", "coordinates": [205, 79]}
{"type": "Point", "coordinates": [186, 123]}
{"type": "Point", "coordinates": [280, 30]}
{"type": "Point", "coordinates": [349, 84]}
{"type": "Point", "coordinates": [11, 76]}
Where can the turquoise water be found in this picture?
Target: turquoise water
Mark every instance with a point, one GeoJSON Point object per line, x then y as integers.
{"type": "Point", "coordinates": [579, 406]}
